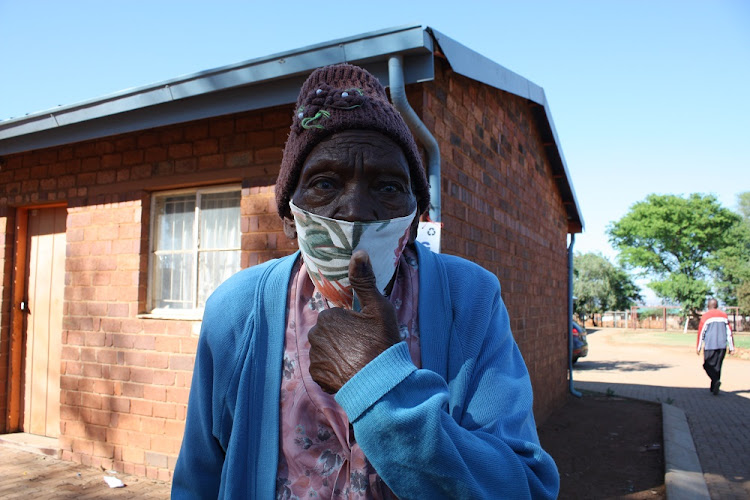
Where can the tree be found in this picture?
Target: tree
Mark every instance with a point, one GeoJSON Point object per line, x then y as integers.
{"type": "Point", "coordinates": [599, 286]}
{"type": "Point", "coordinates": [743, 205]}
{"type": "Point", "coordinates": [731, 264]}
{"type": "Point", "coordinates": [675, 241]}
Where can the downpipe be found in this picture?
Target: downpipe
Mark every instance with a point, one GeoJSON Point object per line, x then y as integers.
{"type": "Point", "coordinates": [572, 389]}
{"type": "Point", "coordinates": [422, 133]}
{"type": "Point", "coordinates": [425, 137]}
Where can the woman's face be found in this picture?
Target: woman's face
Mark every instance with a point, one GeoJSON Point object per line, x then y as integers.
{"type": "Point", "coordinates": [355, 175]}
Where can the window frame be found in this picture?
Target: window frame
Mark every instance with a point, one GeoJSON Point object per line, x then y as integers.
{"type": "Point", "coordinates": [196, 312]}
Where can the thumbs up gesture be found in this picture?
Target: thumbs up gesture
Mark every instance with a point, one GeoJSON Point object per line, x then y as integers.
{"type": "Point", "coordinates": [344, 341]}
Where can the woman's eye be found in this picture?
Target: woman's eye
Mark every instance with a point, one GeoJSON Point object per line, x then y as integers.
{"type": "Point", "coordinates": [391, 187]}
{"type": "Point", "coordinates": [323, 184]}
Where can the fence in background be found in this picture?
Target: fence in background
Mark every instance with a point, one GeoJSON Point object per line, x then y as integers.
{"type": "Point", "coordinates": [660, 318]}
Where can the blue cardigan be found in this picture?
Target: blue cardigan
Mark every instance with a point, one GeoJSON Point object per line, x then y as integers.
{"type": "Point", "coordinates": [460, 427]}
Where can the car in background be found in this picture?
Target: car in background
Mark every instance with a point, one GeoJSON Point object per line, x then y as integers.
{"type": "Point", "coordinates": [580, 344]}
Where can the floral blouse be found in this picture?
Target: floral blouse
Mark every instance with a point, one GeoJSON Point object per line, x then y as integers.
{"type": "Point", "coordinates": [319, 455]}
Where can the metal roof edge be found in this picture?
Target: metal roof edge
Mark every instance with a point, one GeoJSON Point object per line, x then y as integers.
{"type": "Point", "coordinates": [263, 82]}
{"type": "Point", "coordinates": [406, 39]}
{"type": "Point", "coordinates": [551, 123]}
{"type": "Point", "coordinates": [474, 65]}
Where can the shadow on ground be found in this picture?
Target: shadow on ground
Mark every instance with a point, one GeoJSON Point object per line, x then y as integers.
{"type": "Point", "coordinates": [625, 366]}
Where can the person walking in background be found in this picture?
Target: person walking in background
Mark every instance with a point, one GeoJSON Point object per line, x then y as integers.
{"type": "Point", "coordinates": [714, 336]}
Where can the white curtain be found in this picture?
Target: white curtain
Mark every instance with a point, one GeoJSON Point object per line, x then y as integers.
{"type": "Point", "coordinates": [219, 255]}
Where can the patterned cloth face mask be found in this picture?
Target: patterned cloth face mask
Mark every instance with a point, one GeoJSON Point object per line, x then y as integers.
{"type": "Point", "coordinates": [327, 246]}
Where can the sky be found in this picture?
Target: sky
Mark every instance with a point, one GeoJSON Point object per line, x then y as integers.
{"type": "Point", "coordinates": [647, 96]}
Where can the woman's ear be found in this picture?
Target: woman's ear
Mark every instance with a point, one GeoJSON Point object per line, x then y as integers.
{"type": "Point", "coordinates": [290, 229]}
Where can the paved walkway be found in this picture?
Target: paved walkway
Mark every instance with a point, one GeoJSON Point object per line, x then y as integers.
{"type": "Point", "coordinates": [720, 424]}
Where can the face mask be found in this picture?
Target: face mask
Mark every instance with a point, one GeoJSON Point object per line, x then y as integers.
{"type": "Point", "coordinates": [327, 246]}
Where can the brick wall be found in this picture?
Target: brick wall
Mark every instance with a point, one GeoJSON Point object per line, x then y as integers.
{"type": "Point", "coordinates": [502, 210]}
{"type": "Point", "coordinates": [125, 377]}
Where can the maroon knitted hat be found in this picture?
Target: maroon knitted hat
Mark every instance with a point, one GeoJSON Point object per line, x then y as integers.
{"type": "Point", "coordinates": [344, 97]}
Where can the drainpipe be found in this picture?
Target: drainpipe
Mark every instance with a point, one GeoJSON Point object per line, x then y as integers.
{"type": "Point", "coordinates": [572, 389]}
{"type": "Point", "coordinates": [398, 97]}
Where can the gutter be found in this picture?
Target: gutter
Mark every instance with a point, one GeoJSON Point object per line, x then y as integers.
{"type": "Point", "coordinates": [422, 133]}
{"type": "Point", "coordinates": [572, 389]}
{"type": "Point", "coordinates": [259, 83]}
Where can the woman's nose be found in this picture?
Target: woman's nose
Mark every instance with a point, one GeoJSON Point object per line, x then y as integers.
{"type": "Point", "coordinates": [355, 203]}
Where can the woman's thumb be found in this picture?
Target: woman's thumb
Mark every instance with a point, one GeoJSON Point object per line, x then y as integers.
{"type": "Point", "coordinates": [362, 278]}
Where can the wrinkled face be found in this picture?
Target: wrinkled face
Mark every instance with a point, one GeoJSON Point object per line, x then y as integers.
{"type": "Point", "coordinates": [355, 175]}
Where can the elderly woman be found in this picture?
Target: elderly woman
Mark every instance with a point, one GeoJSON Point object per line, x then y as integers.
{"type": "Point", "coordinates": [363, 366]}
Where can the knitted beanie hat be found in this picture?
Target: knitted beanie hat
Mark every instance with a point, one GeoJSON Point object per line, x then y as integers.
{"type": "Point", "coordinates": [344, 97]}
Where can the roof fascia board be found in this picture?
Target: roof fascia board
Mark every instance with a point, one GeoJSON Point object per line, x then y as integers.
{"type": "Point", "coordinates": [551, 124]}
{"type": "Point", "coordinates": [407, 40]}
{"type": "Point", "coordinates": [482, 69]}
{"type": "Point", "coordinates": [168, 113]}
{"type": "Point", "coordinates": [419, 67]}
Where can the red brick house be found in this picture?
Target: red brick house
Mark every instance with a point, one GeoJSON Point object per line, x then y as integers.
{"type": "Point", "coordinates": [118, 216]}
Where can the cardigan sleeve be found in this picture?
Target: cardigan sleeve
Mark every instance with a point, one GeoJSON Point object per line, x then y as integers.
{"type": "Point", "coordinates": [473, 436]}
{"type": "Point", "coordinates": [230, 445]}
{"type": "Point", "coordinates": [199, 465]}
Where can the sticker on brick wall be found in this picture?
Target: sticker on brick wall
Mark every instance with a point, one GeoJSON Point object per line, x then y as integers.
{"type": "Point", "coordinates": [428, 234]}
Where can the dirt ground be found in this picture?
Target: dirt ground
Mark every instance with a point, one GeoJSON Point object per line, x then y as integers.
{"type": "Point", "coordinates": [604, 447]}
{"type": "Point", "coordinates": [607, 447]}
{"type": "Point", "coordinates": [30, 476]}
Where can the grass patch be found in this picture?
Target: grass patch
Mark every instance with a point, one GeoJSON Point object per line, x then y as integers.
{"type": "Point", "coordinates": [741, 340]}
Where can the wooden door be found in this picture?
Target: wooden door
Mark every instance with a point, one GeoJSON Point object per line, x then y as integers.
{"type": "Point", "coordinates": [43, 308]}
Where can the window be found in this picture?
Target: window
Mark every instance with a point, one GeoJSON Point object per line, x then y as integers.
{"type": "Point", "coordinates": [195, 245]}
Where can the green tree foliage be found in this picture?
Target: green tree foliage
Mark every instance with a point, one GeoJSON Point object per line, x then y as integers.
{"type": "Point", "coordinates": [743, 204]}
{"type": "Point", "coordinates": [732, 263]}
{"type": "Point", "coordinates": [675, 241]}
{"type": "Point", "coordinates": [599, 286]}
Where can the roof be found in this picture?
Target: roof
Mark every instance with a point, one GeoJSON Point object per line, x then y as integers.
{"type": "Point", "coordinates": [275, 80]}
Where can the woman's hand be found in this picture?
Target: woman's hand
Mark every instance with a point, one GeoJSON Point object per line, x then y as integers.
{"type": "Point", "coordinates": [344, 341]}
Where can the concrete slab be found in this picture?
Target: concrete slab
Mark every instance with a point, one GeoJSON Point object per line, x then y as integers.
{"type": "Point", "coordinates": [683, 473]}
{"type": "Point", "coordinates": [41, 445]}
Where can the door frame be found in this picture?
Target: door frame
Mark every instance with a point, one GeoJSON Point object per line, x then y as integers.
{"type": "Point", "coordinates": [17, 317]}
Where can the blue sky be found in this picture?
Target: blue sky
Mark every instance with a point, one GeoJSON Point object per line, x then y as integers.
{"type": "Point", "coordinates": [647, 96]}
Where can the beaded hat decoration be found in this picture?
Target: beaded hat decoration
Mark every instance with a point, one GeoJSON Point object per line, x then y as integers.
{"type": "Point", "coordinates": [344, 97]}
